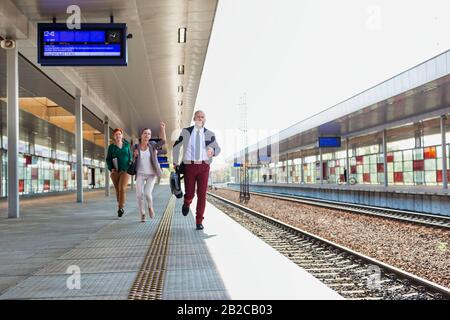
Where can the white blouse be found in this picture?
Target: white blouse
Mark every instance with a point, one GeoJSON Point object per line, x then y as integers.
{"type": "Point", "coordinates": [144, 162]}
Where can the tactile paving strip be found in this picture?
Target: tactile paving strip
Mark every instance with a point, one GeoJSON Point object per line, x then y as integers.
{"type": "Point", "coordinates": [149, 282]}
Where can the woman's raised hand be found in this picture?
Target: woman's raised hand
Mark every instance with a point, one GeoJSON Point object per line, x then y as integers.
{"type": "Point", "coordinates": [162, 125]}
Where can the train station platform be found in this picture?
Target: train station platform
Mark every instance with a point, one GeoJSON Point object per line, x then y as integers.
{"type": "Point", "coordinates": [224, 261]}
{"type": "Point", "coordinates": [426, 199]}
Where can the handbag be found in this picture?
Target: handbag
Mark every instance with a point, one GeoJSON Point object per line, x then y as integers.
{"type": "Point", "coordinates": [132, 169]}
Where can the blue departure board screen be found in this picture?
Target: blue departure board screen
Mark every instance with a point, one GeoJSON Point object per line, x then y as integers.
{"type": "Point", "coordinates": [329, 142]}
{"type": "Point", "coordinates": [92, 45]}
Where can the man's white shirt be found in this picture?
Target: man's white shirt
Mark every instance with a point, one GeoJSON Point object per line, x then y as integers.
{"type": "Point", "coordinates": [190, 152]}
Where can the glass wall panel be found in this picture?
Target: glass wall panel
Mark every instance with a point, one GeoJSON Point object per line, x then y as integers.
{"type": "Point", "coordinates": [406, 165]}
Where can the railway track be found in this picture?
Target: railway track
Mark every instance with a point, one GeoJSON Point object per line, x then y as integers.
{"type": "Point", "coordinates": [351, 274]}
{"type": "Point", "coordinates": [402, 215]}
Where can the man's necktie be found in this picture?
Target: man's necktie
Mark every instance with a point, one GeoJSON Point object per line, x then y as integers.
{"type": "Point", "coordinates": [197, 146]}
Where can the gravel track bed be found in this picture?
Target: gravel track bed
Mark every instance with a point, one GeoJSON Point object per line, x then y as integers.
{"type": "Point", "coordinates": [348, 275]}
{"type": "Point", "coordinates": [420, 250]}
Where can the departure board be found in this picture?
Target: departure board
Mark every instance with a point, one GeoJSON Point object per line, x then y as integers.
{"type": "Point", "coordinates": [95, 45]}
{"type": "Point", "coordinates": [86, 43]}
{"type": "Point", "coordinates": [329, 142]}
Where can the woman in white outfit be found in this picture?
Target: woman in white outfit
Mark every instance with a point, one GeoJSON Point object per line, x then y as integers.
{"type": "Point", "coordinates": [147, 168]}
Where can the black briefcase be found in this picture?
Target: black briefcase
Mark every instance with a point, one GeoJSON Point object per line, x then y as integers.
{"type": "Point", "coordinates": [175, 183]}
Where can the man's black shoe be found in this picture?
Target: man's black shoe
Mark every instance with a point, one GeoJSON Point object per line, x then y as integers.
{"type": "Point", "coordinates": [200, 227]}
{"type": "Point", "coordinates": [185, 211]}
{"type": "Point", "coordinates": [120, 212]}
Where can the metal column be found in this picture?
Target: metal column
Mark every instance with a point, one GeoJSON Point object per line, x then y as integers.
{"type": "Point", "coordinates": [287, 168]}
{"type": "Point", "coordinates": [385, 158]}
{"type": "Point", "coordinates": [321, 166]}
{"type": "Point", "coordinates": [257, 174]}
{"type": "Point", "coordinates": [12, 79]}
{"type": "Point", "coordinates": [131, 177]}
{"type": "Point", "coordinates": [302, 174]}
{"type": "Point", "coordinates": [244, 194]}
{"type": "Point", "coordinates": [79, 144]}
{"type": "Point", "coordinates": [444, 152]}
{"type": "Point", "coordinates": [106, 138]}
{"type": "Point", "coordinates": [347, 163]}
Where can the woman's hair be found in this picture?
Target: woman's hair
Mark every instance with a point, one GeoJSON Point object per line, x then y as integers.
{"type": "Point", "coordinates": [142, 131]}
{"type": "Point", "coordinates": [117, 130]}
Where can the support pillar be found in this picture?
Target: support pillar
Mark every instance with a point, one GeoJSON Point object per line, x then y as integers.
{"type": "Point", "coordinates": [418, 134]}
{"type": "Point", "coordinates": [287, 168]}
{"type": "Point", "coordinates": [79, 144]}
{"type": "Point", "coordinates": [132, 177]}
{"type": "Point", "coordinates": [106, 138]}
{"type": "Point", "coordinates": [302, 173]}
{"type": "Point", "coordinates": [12, 84]}
{"type": "Point", "coordinates": [321, 166]}
{"type": "Point", "coordinates": [347, 163]}
{"type": "Point", "coordinates": [385, 163]}
{"type": "Point", "coordinates": [444, 152]}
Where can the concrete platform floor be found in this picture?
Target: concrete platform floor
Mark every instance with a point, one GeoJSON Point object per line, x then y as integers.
{"type": "Point", "coordinates": [56, 236]}
{"type": "Point", "coordinates": [55, 233]}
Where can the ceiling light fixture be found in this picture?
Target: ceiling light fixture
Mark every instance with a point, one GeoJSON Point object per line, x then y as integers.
{"type": "Point", "coordinates": [181, 69]}
{"type": "Point", "coordinates": [180, 89]}
{"type": "Point", "coordinates": [182, 35]}
{"type": "Point", "coordinates": [180, 103]}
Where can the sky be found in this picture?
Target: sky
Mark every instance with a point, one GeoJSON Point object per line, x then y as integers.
{"type": "Point", "coordinates": [295, 58]}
